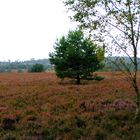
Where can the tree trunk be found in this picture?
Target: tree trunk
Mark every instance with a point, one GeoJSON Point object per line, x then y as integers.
{"type": "Point", "coordinates": [78, 79]}
{"type": "Point", "coordinates": [138, 108]}
{"type": "Point", "coordinates": [135, 85]}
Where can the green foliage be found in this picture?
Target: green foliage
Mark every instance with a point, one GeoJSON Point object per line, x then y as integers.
{"type": "Point", "coordinates": [76, 56]}
{"type": "Point", "coordinates": [48, 134]}
{"type": "Point", "coordinates": [9, 136]}
{"type": "Point", "coordinates": [100, 135]}
{"type": "Point", "coordinates": [37, 68]}
{"type": "Point", "coordinates": [98, 78]}
{"type": "Point", "coordinates": [8, 123]}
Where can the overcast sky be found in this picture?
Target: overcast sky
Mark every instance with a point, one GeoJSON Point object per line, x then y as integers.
{"type": "Point", "coordinates": [29, 28]}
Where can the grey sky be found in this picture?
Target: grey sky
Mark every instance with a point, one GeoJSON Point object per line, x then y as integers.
{"type": "Point", "coordinates": [29, 28]}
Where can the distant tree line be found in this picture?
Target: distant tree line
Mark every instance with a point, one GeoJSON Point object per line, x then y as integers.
{"type": "Point", "coordinates": [115, 64]}
{"type": "Point", "coordinates": [21, 66]}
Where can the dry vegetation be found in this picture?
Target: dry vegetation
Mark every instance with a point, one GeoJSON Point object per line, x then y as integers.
{"type": "Point", "coordinates": [39, 106]}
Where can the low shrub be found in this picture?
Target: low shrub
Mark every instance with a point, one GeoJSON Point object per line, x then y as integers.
{"type": "Point", "coordinates": [37, 68]}
{"type": "Point", "coordinates": [9, 136]}
{"type": "Point", "coordinates": [8, 122]}
{"type": "Point", "coordinates": [48, 134]}
{"type": "Point", "coordinates": [98, 78]}
{"type": "Point", "coordinates": [100, 135]}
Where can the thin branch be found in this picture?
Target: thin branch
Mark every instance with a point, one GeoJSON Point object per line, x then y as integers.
{"type": "Point", "coordinates": [113, 3]}
{"type": "Point", "coordinates": [132, 27]}
{"type": "Point", "coordinates": [115, 15]}
{"type": "Point", "coordinates": [137, 39]}
{"type": "Point", "coordinates": [121, 48]}
{"type": "Point", "coordinates": [119, 29]}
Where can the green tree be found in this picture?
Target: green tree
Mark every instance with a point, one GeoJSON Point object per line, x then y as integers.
{"type": "Point", "coordinates": [37, 68]}
{"type": "Point", "coordinates": [76, 56]}
{"type": "Point", "coordinates": [117, 23]}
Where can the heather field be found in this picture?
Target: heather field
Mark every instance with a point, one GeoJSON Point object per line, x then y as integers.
{"type": "Point", "coordinates": [39, 106]}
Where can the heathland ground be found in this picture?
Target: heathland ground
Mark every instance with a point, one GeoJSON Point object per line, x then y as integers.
{"type": "Point", "coordinates": [39, 106]}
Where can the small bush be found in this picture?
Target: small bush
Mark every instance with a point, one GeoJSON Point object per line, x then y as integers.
{"type": "Point", "coordinates": [37, 68]}
{"type": "Point", "coordinates": [100, 135]}
{"type": "Point", "coordinates": [9, 136]}
{"type": "Point", "coordinates": [48, 134]}
{"type": "Point", "coordinates": [98, 78]}
{"type": "Point", "coordinates": [8, 122]}
{"type": "Point", "coordinates": [87, 106]}
{"type": "Point", "coordinates": [80, 122]}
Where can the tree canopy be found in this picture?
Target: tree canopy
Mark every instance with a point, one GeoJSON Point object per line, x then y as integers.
{"type": "Point", "coordinates": [76, 56]}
